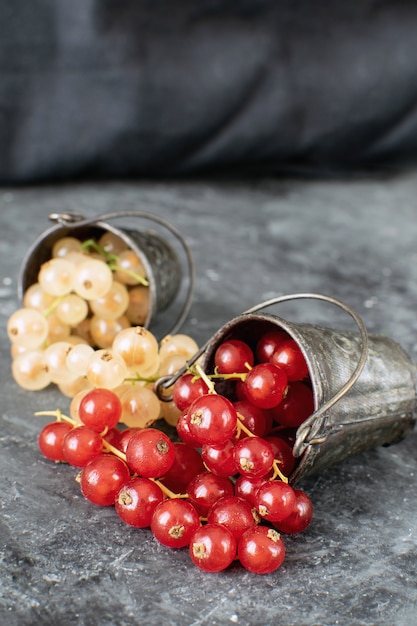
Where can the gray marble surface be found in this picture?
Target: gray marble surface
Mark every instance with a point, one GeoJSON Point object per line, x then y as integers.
{"type": "Point", "coordinates": [64, 561]}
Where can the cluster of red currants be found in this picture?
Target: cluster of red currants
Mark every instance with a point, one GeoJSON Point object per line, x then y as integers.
{"type": "Point", "coordinates": [223, 489]}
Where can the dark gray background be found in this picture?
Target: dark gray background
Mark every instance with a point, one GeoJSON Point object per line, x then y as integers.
{"type": "Point", "coordinates": [65, 561]}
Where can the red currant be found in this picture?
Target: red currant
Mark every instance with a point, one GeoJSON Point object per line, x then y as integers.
{"type": "Point", "coordinates": [268, 343]}
{"type": "Point", "coordinates": [254, 418]}
{"type": "Point", "coordinates": [296, 407]}
{"type": "Point", "coordinates": [275, 500]}
{"type": "Point", "coordinates": [50, 440]}
{"type": "Point", "coordinates": [102, 478]}
{"type": "Point", "coordinates": [187, 464]}
{"type": "Point", "coordinates": [150, 453]}
{"type": "Point", "coordinates": [233, 512]}
{"type": "Point", "coordinates": [261, 550]}
{"type": "Point", "coordinates": [206, 488]}
{"type": "Point", "coordinates": [212, 547]}
{"type": "Point", "coordinates": [136, 501]}
{"type": "Point", "coordinates": [300, 517]}
{"type": "Point", "coordinates": [253, 456]}
{"type": "Point", "coordinates": [265, 385]}
{"type": "Point", "coordinates": [220, 459]}
{"type": "Point", "coordinates": [174, 522]}
{"type": "Point", "coordinates": [289, 356]}
{"type": "Point", "coordinates": [282, 451]}
{"type": "Point", "coordinates": [187, 389]}
{"type": "Point", "coordinates": [212, 419]}
{"type": "Point", "coordinates": [80, 445]}
{"type": "Point", "coordinates": [233, 356]}
{"type": "Point", "coordinates": [100, 408]}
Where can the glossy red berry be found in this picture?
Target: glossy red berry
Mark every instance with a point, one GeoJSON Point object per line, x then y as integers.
{"type": "Point", "coordinates": [50, 440]}
{"type": "Point", "coordinates": [261, 550]}
{"type": "Point", "coordinates": [233, 356]}
{"type": "Point", "coordinates": [296, 407]}
{"type": "Point", "coordinates": [283, 454]}
{"type": "Point", "coordinates": [136, 501]}
{"type": "Point", "coordinates": [265, 385]}
{"type": "Point", "coordinates": [212, 419]}
{"type": "Point", "coordinates": [187, 464]}
{"type": "Point", "coordinates": [174, 522]}
{"type": "Point", "coordinates": [102, 478]}
{"type": "Point", "coordinates": [212, 547]}
{"type": "Point", "coordinates": [100, 408]}
{"type": "Point", "coordinates": [80, 445]}
{"type": "Point", "coordinates": [220, 459]}
{"type": "Point", "coordinates": [253, 456]}
{"type": "Point", "coordinates": [187, 389]}
{"type": "Point", "coordinates": [206, 489]}
{"type": "Point", "coordinates": [275, 500]}
{"type": "Point", "coordinates": [233, 512]}
{"type": "Point", "coordinates": [150, 453]}
{"type": "Point", "coordinates": [290, 357]}
{"type": "Point", "coordinates": [268, 343]}
{"type": "Point", "coordinates": [300, 517]}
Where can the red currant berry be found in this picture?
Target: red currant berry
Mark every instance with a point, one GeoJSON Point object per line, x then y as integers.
{"type": "Point", "coordinates": [300, 517]}
{"type": "Point", "coordinates": [275, 500]}
{"type": "Point", "coordinates": [187, 464]}
{"type": "Point", "coordinates": [174, 522]}
{"type": "Point", "coordinates": [136, 501]}
{"type": "Point", "coordinates": [102, 478]}
{"type": "Point", "coordinates": [282, 453]}
{"type": "Point", "coordinates": [113, 437]}
{"type": "Point", "coordinates": [80, 445]}
{"type": "Point", "coordinates": [289, 356]}
{"type": "Point", "coordinates": [99, 409]}
{"type": "Point", "coordinates": [50, 440]}
{"type": "Point", "coordinates": [268, 343]}
{"type": "Point", "coordinates": [253, 456]}
{"type": "Point", "coordinates": [265, 385]}
{"type": "Point", "coordinates": [247, 486]}
{"type": "Point", "coordinates": [233, 356]}
{"type": "Point", "coordinates": [187, 389]}
{"type": "Point", "coordinates": [183, 431]}
{"type": "Point", "coordinates": [261, 550]}
{"type": "Point", "coordinates": [150, 453]}
{"type": "Point", "coordinates": [206, 488]}
{"type": "Point", "coordinates": [235, 513]}
{"type": "Point", "coordinates": [219, 459]}
{"type": "Point", "coordinates": [296, 407]}
{"type": "Point", "coordinates": [212, 547]}
{"type": "Point", "coordinates": [254, 418]}
{"type": "Point", "coordinates": [125, 435]}
{"type": "Point", "coordinates": [212, 419]}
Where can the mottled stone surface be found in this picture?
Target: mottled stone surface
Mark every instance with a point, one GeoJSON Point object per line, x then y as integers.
{"type": "Point", "coordinates": [64, 561]}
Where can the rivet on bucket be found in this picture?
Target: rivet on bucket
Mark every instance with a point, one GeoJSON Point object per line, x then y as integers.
{"type": "Point", "coordinates": [161, 262]}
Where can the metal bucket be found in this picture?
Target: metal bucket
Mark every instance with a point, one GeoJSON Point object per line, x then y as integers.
{"type": "Point", "coordinates": [162, 265]}
{"type": "Point", "coordinates": [364, 386]}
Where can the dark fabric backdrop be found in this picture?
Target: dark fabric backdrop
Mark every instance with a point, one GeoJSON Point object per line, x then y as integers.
{"type": "Point", "coordinates": [106, 88]}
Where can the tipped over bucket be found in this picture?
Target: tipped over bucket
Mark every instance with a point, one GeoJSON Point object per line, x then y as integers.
{"type": "Point", "coordinates": [364, 386]}
{"type": "Point", "coordinates": [165, 273]}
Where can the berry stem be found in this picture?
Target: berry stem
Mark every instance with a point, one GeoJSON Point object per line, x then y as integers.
{"type": "Point", "coordinates": [277, 472]}
{"type": "Point", "coordinates": [112, 261]}
{"type": "Point", "coordinates": [207, 380]}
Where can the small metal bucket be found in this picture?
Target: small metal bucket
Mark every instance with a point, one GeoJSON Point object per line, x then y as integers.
{"type": "Point", "coordinates": [162, 264]}
{"type": "Point", "coordinates": [364, 386]}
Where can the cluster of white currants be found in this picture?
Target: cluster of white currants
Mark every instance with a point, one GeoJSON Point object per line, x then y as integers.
{"type": "Point", "coordinates": [81, 326]}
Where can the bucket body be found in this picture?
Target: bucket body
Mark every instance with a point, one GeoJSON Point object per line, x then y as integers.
{"type": "Point", "coordinates": [161, 263]}
{"type": "Point", "coordinates": [379, 409]}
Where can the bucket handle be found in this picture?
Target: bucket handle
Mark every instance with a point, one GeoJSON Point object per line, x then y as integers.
{"type": "Point", "coordinates": [304, 430]}
{"type": "Point", "coordinates": [301, 442]}
{"type": "Point", "coordinates": [71, 217]}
